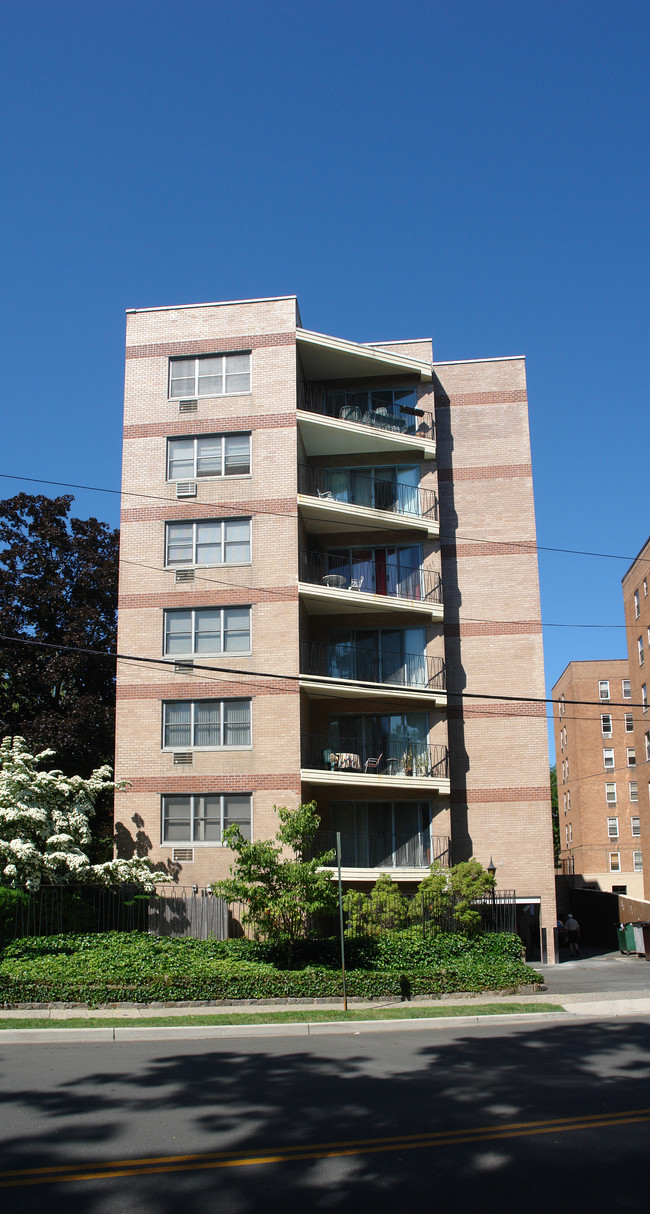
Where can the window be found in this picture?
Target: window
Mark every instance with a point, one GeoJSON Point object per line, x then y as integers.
{"type": "Point", "coordinates": [209, 375]}
{"type": "Point", "coordinates": [568, 800]}
{"type": "Point", "coordinates": [647, 747]}
{"type": "Point", "coordinates": [610, 794]}
{"type": "Point", "coordinates": [606, 724]}
{"type": "Point", "coordinates": [208, 455]}
{"type": "Point", "coordinates": [631, 757]}
{"type": "Point", "coordinates": [608, 758]}
{"type": "Point", "coordinates": [564, 802]}
{"type": "Point", "coordinates": [206, 724]}
{"type": "Point", "coordinates": [640, 649]}
{"type": "Point", "coordinates": [633, 790]}
{"type": "Point", "coordinates": [627, 689]}
{"type": "Point", "coordinates": [614, 862]}
{"type": "Point", "coordinates": [645, 587]}
{"type": "Point", "coordinates": [635, 824]}
{"type": "Point", "coordinates": [637, 606]}
{"type": "Point", "coordinates": [567, 769]}
{"type": "Point", "coordinates": [629, 723]}
{"type": "Point", "coordinates": [637, 858]}
{"type": "Point", "coordinates": [612, 828]}
{"type": "Point", "coordinates": [644, 697]}
{"type": "Point", "coordinates": [603, 689]}
{"type": "Point", "coordinates": [203, 819]}
{"type": "Point", "coordinates": [207, 630]}
{"type": "Point", "coordinates": [570, 833]}
{"type": "Point", "coordinates": [213, 542]}
{"type": "Point", "coordinates": [619, 889]}
{"type": "Point", "coordinates": [561, 708]}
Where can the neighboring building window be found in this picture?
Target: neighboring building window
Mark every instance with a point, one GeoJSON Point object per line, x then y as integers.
{"type": "Point", "coordinates": [564, 801]}
{"type": "Point", "coordinates": [631, 757]}
{"type": "Point", "coordinates": [645, 587]}
{"type": "Point", "coordinates": [603, 689]}
{"type": "Point", "coordinates": [644, 696]}
{"type": "Point", "coordinates": [612, 828]}
{"type": "Point", "coordinates": [633, 790]}
{"type": "Point", "coordinates": [635, 823]}
{"type": "Point", "coordinates": [606, 724]}
{"type": "Point", "coordinates": [627, 689]}
{"type": "Point", "coordinates": [561, 707]}
{"type": "Point", "coordinates": [640, 649]}
{"type": "Point", "coordinates": [209, 375]}
{"type": "Point", "coordinates": [608, 758]}
{"type": "Point", "coordinates": [637, 606]}
{"type": "Point", "coordinates": [213, 542]}
{"type": "Point", "coordinates": [208, 455]}
{"type": "Point", "coordinates": [206, 724]}
{"type": "Point", "coordinates": [570, 833]}
{"type": "Point", "coordinates": [568, 800]}
{"type": "Point", "coordinates": [619, 889]}
{"type": "Point", "coordinates": [203, 819]}
{"type": "Point", "coordinates": [207, 630]}
{"type": "Point", "coordinates": [647, 748]}
{"type": "Point", "coordinates": [566, 836]}
{"type": "Point", "coordinates": [610, 794]}
{"type": "Point", "coordinates": [629, 723]}
{"type": "Point", "coordinates": [637, 857]}
{"type": "Point", "coordinates": [567, 769]}
{"type": "Point", "coordinates": [614, 862]}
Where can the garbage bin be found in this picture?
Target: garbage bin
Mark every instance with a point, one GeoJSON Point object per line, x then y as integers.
{"type": "Point", "coordinates": [626, 938]}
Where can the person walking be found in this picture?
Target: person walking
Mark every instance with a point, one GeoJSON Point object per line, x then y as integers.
{"type": "Point", "coordinates": [572, 929]}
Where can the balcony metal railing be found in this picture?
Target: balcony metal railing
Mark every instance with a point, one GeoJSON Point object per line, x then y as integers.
{"type": "Point", "coordinates": [370, 577]}
{"type": "Point", "coordinates": [390, 756]}
{"type": "Point", "coordinates": [340, 660]}
{"type": "Point", "coordinates": [358, 407]}
{"type": "Point", "coordinates": [353, 488]}
{"type": "Point", "coordinates": [385, 849]}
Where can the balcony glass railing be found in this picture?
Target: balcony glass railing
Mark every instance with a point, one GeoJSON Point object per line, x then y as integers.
{"type": "Point", "coordinates": [389, 409]}
{"type": "Point", "coordinates": [390, 756]}
{"type": "Point", "coordinates": [353, 488]}
{"type": "Point", "coordinates": [340, 660]}
{"type": "Point", "coordinates": [385, 849]}
{"type": "Point", "coordinates": [370, 576]}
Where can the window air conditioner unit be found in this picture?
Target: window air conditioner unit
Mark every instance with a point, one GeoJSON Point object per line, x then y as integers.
{"type": "Point", "coordinates": [182, 758]}
{"type": "Point", "coordinates": [184, 575]}
{"type": "Point", "coordinates": [185, 488]}
{"type": "Point", "coordinates": [188, 406]}
{"type": "Point", "coordinates": [183, 855]}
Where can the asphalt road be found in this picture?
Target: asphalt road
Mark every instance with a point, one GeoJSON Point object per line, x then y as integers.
{"type": "Point", "coordinates": [554, 1116]}
{"type": "Point", "coordinates": [603, 973]}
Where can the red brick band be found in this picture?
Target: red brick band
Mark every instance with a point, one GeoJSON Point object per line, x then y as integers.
{"type": "Point", "coordinates": [507, 396]}
{"type": "Point", "coordinates": [212, 345]}
{"type": "Point", "coordinates": [490, 472]}
{"type": "Point", "coordinates": [488, 796]}
{"type": "Point", "coordinates": [197, 784]}
{"type": "Point", "coordinates": [187, 425]}
{"type": "Point", "coordinates": [486, 548]}
{"type": "Point", "coordinates": [468, 628]}
{"type": "Point", "coordinates": [209, 687]}
{"type": "Point", "coordinates": [175, 511]}
{"type": "Point", "coordinates": [227, 597]}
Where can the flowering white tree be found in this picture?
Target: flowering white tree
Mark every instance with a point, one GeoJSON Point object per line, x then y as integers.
{"type": "Point", "coordinates": [44, 825]}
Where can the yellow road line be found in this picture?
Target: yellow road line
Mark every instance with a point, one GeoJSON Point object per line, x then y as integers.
{"type": "Point", "coordinates": [69, 1173]}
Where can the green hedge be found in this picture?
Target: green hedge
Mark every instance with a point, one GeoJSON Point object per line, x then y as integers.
{"type": "Point", "coordinates": [135, 967]}
{"type": "Point", "coordinates": [10, 901]}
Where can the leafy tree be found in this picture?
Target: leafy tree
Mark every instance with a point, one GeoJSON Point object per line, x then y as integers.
{"type": "Point", "coordinates": [58, 584]}
{"type": "Point", "coordinates": [45, 828]}
{"type": "Point", "coordinates": [280, 891]}
{"type": "Point", "coordinates": [384, 909]}
{"type": "Point", "coordinates": [455, 891]}
{"type": "Point", "coordinates": [555, 815]}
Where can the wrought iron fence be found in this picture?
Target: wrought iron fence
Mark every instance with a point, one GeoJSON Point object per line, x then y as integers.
{"type": "Point", "coordinates": [385, 849]}
{"type": "Point", "coordinates": [366, 409]}
{"type": "Point", "coordinates": [370, 576]}
{"type": "Point", "coordinates": [390, 756]}
{"type": "Point", "coordinates": [343, 660]}
{"type": "Point", "coordinates": [355, 488]}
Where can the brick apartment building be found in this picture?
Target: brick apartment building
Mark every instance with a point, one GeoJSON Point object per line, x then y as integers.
{"type": "Point", "coordinates": [323, 543]}
{"type": "Point", "coordinates": [597, 782]}
{"type": "Point", "coordinates": [636, 602]}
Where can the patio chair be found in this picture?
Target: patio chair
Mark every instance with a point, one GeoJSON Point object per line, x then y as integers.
{"type": "Point", "coordinates": [350, 413]}
{"type": "Point", "coordinates": [330, 759]}
{"type": "Point", "coordinates": [356, 583]}
{"type": "Point", "coordinates": [325, 493]}
{"type": "Point", "coordinates": [373, 764]}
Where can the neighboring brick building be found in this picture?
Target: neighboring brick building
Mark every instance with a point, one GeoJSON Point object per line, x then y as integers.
{"type": "Point", "coordinates": [597, 781]}
{"type": "Point", "coordinates": [636, 602]}
{"type": "Point", "coordinates": [281, 527]}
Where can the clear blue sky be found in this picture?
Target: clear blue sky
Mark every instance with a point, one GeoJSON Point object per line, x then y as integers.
{"type": "Point", "coordinates": [477, 172]}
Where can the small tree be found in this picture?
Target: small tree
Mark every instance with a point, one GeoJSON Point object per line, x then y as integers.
{"type": "Point", "coordinates": [45, 827]}
{"type": "Point", "coordinates": [455, 891]}
{"type": "Point", "coordinates": [384, 909]}
{"type": "Point", "coordinates": [280, 892]}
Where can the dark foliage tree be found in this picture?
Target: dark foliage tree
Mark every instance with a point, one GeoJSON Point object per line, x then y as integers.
{"type": "Point", "coordinates": [58, 583]}
{"type": "Point", "coordinates": [555, 811]}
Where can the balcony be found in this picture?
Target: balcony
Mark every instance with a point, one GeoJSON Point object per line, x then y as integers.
{"type": "Point", "coordinates": [395, 761]}
{"type": "Point", "coordinates": [336, 584]}
{"type": "Point", "coordinates": [367, 673]}
{"type": "Point", "coordinates": [356, 421]}
{"type": "Point", "coordinates": [385, 850]}
{"type": "Point", "coordinates": [341, 500]}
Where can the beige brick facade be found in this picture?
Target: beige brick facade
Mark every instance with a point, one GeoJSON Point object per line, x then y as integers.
{"type": "Point", "coordinates": [351, 671]}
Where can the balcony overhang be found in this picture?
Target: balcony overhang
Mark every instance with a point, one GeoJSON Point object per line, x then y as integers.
{"type": "Point", "coordinates": [387, 785]}
{"type": "Point", "coordinates": [324, 435]}
{"type": "Point", "coordinates": [322, 687]}
{"type": "Point", "coordinates": [323, 516]}
{"type": "Point", "coordinates": [326, 357]}
{"type": "Point", "coordinates": [324, 600]}
{"type": "Point", "coordinates": [372, 874]}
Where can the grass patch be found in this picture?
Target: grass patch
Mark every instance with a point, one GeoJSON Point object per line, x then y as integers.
{"type": "Point", "coordinates": [279, 1017]}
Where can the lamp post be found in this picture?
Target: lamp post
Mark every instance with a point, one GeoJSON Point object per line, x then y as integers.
{"type": "Point", "coordinates": [492, 869]}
